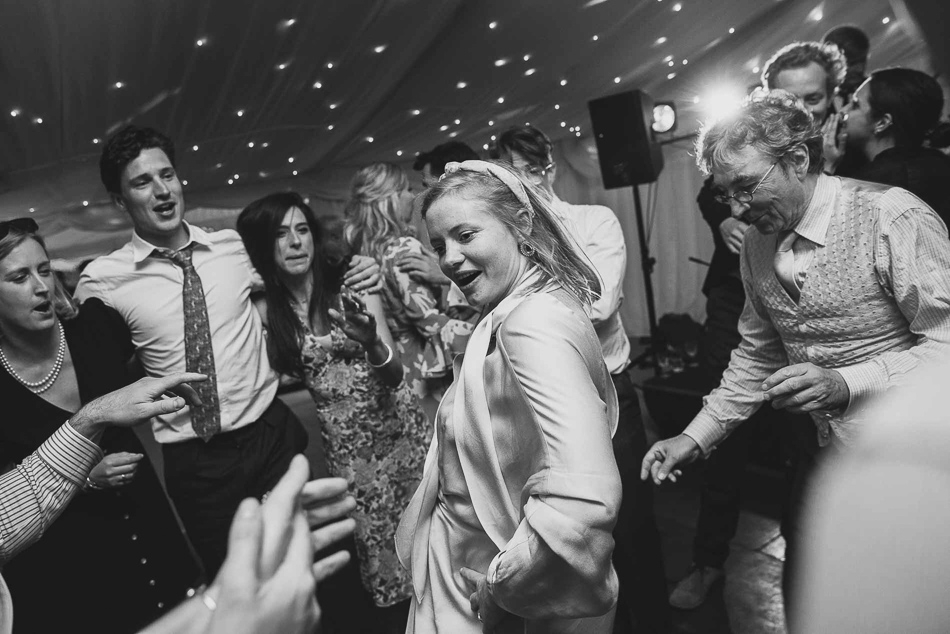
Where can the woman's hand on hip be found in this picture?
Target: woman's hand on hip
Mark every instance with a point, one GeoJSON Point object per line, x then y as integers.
{"type": "Point", "coordinates": [481, 600]}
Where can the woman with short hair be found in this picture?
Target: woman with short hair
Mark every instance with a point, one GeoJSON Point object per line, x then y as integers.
{"type": "Point", "coordinates": [117, 543]}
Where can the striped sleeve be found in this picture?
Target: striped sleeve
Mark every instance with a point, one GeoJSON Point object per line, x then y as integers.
{"type": "Point", "coordinates": [912, 257]}
{"type": "Point", "coordinates": [34, 493]}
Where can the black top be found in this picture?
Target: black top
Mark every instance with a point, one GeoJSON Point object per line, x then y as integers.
{"type": "Point", "coordinates": [115, 560]}
{"type": "Point", "coordinates": [725, 264]}
{"type": "Point", "coordinates": [921, 171]}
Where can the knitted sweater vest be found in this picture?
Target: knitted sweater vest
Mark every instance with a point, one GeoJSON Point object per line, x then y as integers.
{"type": "Point", "coordinates": [846, 313]}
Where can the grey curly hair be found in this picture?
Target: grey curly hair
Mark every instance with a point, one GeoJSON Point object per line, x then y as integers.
{"type": "Point", "coordinates": [774, 122]}
{"type": "Point", "coordinates": [801, 54]}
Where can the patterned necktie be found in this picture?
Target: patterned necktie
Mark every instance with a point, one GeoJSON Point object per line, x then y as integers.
{"type": "Point", "coordinates": [784, 264]}
{"type": "Point", "coordinates": [199, 356]}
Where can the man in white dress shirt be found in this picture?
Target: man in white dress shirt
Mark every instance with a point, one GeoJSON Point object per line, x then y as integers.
{"type": "Point", "coordinates": [637, 556]}
{"type": "Point", "coordinates": [185, 295]}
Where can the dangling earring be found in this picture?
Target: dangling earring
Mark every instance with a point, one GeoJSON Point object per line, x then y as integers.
{"type": "Point", "coordinates": [526, 249]}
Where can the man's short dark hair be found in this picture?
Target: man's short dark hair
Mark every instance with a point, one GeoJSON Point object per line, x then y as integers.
{"type": "Point", "coordinates": [802, 54]}
{"type": "Point", "coordinates": [437, 157]}
{"type": "Point", "coordinates": [852, 41]}
{"type": "Point", "coordinates": [123, 147]}
{"type": "Point", "coordinates": [529, 142]}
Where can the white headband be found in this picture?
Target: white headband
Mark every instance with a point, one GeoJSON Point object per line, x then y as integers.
{"type": "Point", "coordinates": [484, 167]}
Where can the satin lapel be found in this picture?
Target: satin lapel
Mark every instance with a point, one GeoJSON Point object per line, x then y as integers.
{"type": "Point", "coordinates": [476, 443]}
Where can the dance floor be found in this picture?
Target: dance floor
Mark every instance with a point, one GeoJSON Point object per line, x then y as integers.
{"type": "Point", "coordinates": [750, 599]}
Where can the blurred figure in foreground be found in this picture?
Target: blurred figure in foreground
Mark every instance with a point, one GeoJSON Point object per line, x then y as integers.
{"type": "Point", "coordinates": [875, 559]}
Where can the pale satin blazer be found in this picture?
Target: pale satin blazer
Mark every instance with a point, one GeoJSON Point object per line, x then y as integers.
{"type": "Point", "coordinates": [547, 490]}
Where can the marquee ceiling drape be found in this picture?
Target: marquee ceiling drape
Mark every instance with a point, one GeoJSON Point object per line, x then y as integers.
{"type": "Point", "coordinates": [264, 95]}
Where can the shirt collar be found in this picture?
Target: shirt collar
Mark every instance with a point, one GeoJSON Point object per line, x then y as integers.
{"type": "Point", "coordinates": [142, 248]}
{"type": "Point", "coordinates": [814, 223]}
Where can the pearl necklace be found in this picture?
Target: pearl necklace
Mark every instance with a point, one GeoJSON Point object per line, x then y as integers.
{"type": "Point", "coordinates": [38, 387]}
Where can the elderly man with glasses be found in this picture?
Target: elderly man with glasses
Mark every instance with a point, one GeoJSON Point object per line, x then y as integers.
{"type": "Point", "coordinates": [596, 231]}
{"type": "Point", "coordinates": [847, 290]}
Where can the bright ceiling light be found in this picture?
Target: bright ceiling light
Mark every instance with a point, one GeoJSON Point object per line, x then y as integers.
{"type": "Point", "coordinates": [501, 100]}
{"type": "Point", "coordinates": [492, 25]}
{"type": "Point", "coordinates": [529, 72]}
{"type": "Point", "coordinates": [415, 113]}
{"type": "Point", "coordinates": [318, 84]}
{"type": "Point", "coordinates": [564, 82]}
{"type": "Point", "coordinates": [461, 85]}
{"type": "Point", "coordinates": [201, 42]}
{"type": "Point", "coordinates": [677, 7]}
{"type": "Point", "coordinates": [885, 20]}
{"type": "Point", "coordinates": [501, 62]}
{"type": "Point", "coordinates": [380, 48]}
{"type": "Point", "coordinates": [721, 102]}
{"type": "Point", "coordinates": [661, 40]}
{"type": "Point", "coordinates": [616, 80]}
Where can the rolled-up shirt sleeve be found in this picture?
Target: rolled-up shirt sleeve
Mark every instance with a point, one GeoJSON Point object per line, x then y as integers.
{"type": "Point", "coordinates": [36, 491]}
{"type": "Point", "coordinates": [558, 563]}
{"type": "Point", "coordinates": [759, 355]}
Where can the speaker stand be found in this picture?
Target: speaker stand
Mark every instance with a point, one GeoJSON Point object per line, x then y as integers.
{"type": "Point", "coordinates": [647, 263]}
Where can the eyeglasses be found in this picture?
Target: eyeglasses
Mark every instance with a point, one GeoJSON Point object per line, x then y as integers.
{"type": "Point", "coordinates": [23, 225]}
{"type": "Point", "coordinates": [537, 171]}
{"type": "Point", "coordinates": [744, 197]}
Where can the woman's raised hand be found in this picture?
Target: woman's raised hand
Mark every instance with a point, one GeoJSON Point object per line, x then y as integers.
{"type": "Point", "coordinates": [355, 321]}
